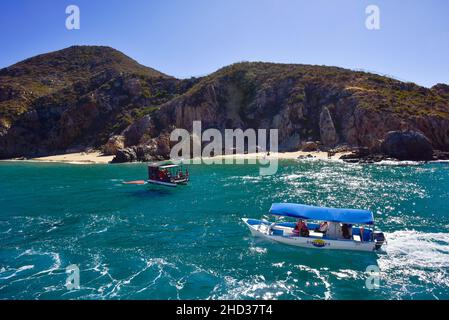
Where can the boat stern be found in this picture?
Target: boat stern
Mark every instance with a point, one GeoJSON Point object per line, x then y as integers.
{"type": "Point", "coordinates": [379, 240]}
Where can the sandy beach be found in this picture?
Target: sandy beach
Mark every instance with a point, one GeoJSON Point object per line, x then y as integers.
{"type": "Point", "coordinates": [94, 157]}
{"type": "Point", "coordinates": [78, 158]}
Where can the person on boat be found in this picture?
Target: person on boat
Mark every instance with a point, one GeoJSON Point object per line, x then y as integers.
{"type": "Point", "coordinates": [323, 227]}
{"type": "Point", "coordinates": [301, 228]}
{"type": "Point", "coordinates": [346, 230]}
{"type": "Point", "coordinates": [163, 175]}
{"type": "Point", "coordinates": [334, 231]}
{"type": "Point", "coordinates": [167, 175]}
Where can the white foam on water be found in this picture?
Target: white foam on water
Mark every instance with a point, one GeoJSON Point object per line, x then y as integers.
{"type": "Point", "coordinates": [258, 250]}
{"type": "Point", "coordinates": [321, 277]}
{"type": "Point", "coordinates": [256, 287]}
{"type": "Point", "coordinates": [17, 275]}
{"type": "Point", "coordinates": [399, 163]}
{"type": "Point", "coordinates": [15, 271]}
{"type": "Point", "coordinates": [278, 264]}
{"type": "Point", "coordinates": [346, 274]}
{"type": "Point", "coordinates": [415, 259]}
{"type": "Point", "coordinates": [161, 265]}
{"type": "Point", "coordinates": [292, 177]}
{"type": "Point", "coordinates": [417, 249]}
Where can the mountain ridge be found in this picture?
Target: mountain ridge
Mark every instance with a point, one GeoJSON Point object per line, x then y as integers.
{"type": "Point", "coordinates": [93, 96]}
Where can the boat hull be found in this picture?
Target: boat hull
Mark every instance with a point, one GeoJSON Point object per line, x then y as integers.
{"type": "Point", "coordinates": [263, 230]}
{"type": "Point", "coordinates": [162, 183]}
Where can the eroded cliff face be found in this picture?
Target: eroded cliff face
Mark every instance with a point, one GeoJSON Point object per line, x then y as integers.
{"type": "Point", "coordinates": [302, 109]}
{"type": "Point", "coordinates": [95, 97]}
{"type": "Point", "coordinates": [79, 119]}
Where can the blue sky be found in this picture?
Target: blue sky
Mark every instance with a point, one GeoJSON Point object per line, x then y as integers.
{"type": "Point", "coordinates": [187, 38]}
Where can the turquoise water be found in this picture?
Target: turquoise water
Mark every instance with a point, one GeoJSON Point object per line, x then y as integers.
{"type": "Point", "coordinates": [138, 242]}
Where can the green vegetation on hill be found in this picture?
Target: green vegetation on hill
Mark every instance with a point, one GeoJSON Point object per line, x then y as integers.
{"type": "Point", "coordinates": [82, 95]}
{"type": "Point", "coordinates": [55, 72]}
{"type": "Point", "coordinates": [375, 92]}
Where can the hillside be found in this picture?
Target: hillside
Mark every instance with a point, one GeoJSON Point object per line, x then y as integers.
{"type": "Point", "coordinates": [309, 103]}
{"type": "Point", "coordinates": [81, 97]}
{"type": "Point", "coordinates": [75, 98]}
{"type": "Point", "coordinates": [48, 73]}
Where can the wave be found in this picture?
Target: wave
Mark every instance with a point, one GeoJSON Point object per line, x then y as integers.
{"type": "Point", "coordinates": [399, 163]}
{"type": "Point", "coordinates": [417, 249]}
{"type": "Point", "coordinates": [14, 272]}
{"type": "Point", "coordinates": [415, 262]}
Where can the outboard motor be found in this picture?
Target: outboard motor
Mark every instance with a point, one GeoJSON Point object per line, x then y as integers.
{"type": "Point", "coordinates": [379, 239]}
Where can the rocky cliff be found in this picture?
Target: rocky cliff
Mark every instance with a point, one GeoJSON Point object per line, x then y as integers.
{"type": "Point", "coordinates": [96, 97]}
{"type": "Point", "coordinates": [309, 103]}
{"type": "Point", "coordinates": [75, 99]}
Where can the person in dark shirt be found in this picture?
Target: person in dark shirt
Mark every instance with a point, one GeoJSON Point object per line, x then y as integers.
{"type": "Point", "coordinates": [346, 230]}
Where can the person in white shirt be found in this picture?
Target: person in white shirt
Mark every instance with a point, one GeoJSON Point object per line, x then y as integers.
{"type": "Point", "coordinates": [334, 230]}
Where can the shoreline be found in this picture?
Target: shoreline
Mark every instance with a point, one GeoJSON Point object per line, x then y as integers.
{"type": "Point", "coordinates": [97, 157]}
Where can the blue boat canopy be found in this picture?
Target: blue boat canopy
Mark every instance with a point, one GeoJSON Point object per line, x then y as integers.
{"type": "Point", "coordinates": [301, 211]}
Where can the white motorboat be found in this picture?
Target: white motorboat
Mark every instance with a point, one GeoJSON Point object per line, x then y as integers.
{"type": "Point", "coordinates": [345, 229]}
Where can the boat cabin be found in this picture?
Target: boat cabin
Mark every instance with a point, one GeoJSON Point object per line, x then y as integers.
{"type": "Point", "coordinates": [167, 174]}
{"type": "Point", "coordinates": [335, 223]}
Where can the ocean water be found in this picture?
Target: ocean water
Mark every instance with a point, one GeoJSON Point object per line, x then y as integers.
{"type": "Point", "coordinates": [142, 242]}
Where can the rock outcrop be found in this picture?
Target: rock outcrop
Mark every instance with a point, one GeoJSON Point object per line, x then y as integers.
{"type": "Point", "coordinates": [137, 132]}
{"type": "Point", "coordinates": [152, 150]}
{"type": "Point", "coordinates": [309, 146]}
{"type": "Point", "coordinates": [407, 145]}
{"type": "Point", "coordinates": [114, 144]}
{"type": "Point", "coordinates": [328, 133]}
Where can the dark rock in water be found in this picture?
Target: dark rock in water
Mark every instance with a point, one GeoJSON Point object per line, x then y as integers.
{"type": "Point", "coordinates": [364, 152]}
{"type": "Point", "coordinates": [407, 145]}
{"type": "Point", "coordinates": [373, 158]}
{"type": "Point", "coordinates": [352, 160]}
{"type": "Point", "coordinates": [397, 145]}
{"type": "Point", "coordinates": [357, 154]}
{"type": "Point", "coordinates": [365, 155]}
